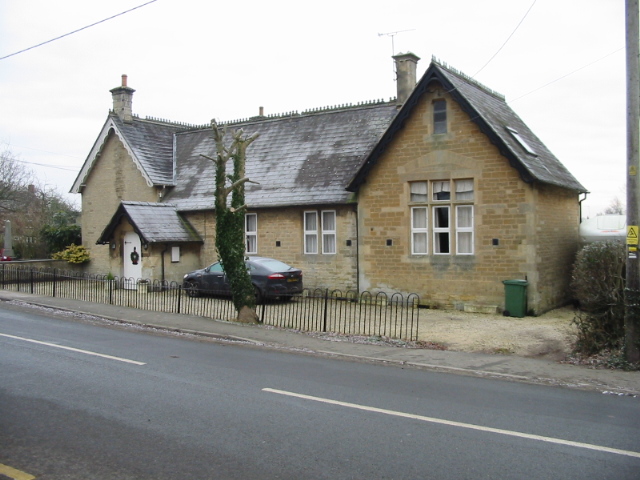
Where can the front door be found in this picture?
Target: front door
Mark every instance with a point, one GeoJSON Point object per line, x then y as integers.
{"type": "Point", "coordinates": [132, 259]}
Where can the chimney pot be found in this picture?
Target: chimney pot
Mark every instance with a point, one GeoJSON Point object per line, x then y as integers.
{"type": "Point", "coordinates": [124, 80]}
{"type": "Point", "coordinates": [262, 111]}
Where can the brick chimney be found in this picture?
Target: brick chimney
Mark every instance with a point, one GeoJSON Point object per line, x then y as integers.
{"type": "Point", "coordinates": [405, 74]}
{"type": "Point", "coordinates": [122, 101]}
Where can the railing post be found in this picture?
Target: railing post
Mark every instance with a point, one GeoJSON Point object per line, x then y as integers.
{"type": "Point", "coordinates": [54, 282]}
{"type": "Point", "coordinates": [326, 306]}
{"type": "Point", "coordinates": [31, 280]}
{"type": "Point", "coordinates": [179, 297]}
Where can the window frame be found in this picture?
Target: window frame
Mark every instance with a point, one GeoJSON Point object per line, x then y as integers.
{"type": "Point", "coordinates": [250, 234]}
{"type": "Point", "coordinates": [465, 230]}
{"type": "Point", "coordinates": [443, 216]}
{"type": "Point", "coordinates": [175, 253]}
{"type": "Point", "coordinates": [439, 231]}
{"type": "Point", "coordinates": [310, 234]}
{"type": "Point", "coordinates": [328, 233]}
{"type": "Point", "coordinates": [440, 126]}
{"type": "Point", "coordinates": [422, 231]}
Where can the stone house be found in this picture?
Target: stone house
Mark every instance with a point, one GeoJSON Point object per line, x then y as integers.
{"type": "Point", "coordinates": [443, 192]}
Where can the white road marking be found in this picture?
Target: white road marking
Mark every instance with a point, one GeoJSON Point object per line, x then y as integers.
{"type": "Point", "coordinates": [86, 352]}
{"type": "Point", "coordinates": [450, 423]}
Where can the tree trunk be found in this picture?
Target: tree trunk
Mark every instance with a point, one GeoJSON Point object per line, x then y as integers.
{"type": "Point", "coordinates": [230, 241]}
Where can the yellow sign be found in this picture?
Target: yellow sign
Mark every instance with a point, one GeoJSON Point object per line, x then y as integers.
{"type": "Point", "coordinates": [632, 235]}
{"type": "Point", "coordinates": [633, 171]}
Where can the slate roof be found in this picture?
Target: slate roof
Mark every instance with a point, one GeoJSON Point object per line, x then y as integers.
{"type": "Point", "coordinates": [153, 222]}
{"type": "Point", "coordinates": [493, 115]}
{"type": "Point", "coordinates": [318, 157]}
{"type": "Point", "coordinates": [300, 159]}
{"type": "Point", "coordinates": [152, 145]}
{"type": "Point", "coordinates": [149, 142]}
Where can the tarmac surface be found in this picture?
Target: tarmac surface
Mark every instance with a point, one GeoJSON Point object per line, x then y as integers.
{"type": "Point", "coordinates": [506, 367]}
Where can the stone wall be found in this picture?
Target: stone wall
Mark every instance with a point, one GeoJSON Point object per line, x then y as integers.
{"type": "Point", "coordinates": [280, 235]}
{"type": "Point", "coordinates": [557, 240]}
{"type": "Point", "coordinates": [114, 178]}
{"type": "Point", "coordinates": [510, 220]}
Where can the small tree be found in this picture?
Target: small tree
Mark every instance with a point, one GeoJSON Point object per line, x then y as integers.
{"type": "Point", "coordinates": [230, 241]}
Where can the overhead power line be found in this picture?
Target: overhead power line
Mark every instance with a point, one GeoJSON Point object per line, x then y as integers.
{"type": "Point", "coordinates": [49, 166]}
{"type": "Point", "coordinates": [507, 40]}
{"type": "Point", "coordinates": [78, 30]}
{"type": "Point", "coordinates": [568, 74]}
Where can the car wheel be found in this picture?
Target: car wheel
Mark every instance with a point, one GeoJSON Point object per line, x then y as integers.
{"type": "Point", "coordinates": [192, 289]}
{"type": "Point", "coordinates": [258, 294]}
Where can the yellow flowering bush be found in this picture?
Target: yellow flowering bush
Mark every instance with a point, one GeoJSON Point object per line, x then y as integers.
{"type": "Point", "coordinates": [72, 254]}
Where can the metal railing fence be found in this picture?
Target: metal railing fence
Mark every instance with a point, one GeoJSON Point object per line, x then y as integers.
{"type": "Point", "coordinates": [320, 310]}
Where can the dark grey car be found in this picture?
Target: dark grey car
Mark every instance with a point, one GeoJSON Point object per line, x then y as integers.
{"type": "Point", "coordinates": [271, 278]}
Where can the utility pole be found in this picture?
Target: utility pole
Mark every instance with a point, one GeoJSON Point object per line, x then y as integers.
{"type": "Point", "coordinates": [632, 288]}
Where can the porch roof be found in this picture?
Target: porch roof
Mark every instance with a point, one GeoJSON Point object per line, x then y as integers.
{"type": "Point", "coordinates": [153, 222]}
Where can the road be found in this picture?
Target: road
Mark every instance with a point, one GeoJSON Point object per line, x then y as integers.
{"type": "Point", "coordinates": [80, 400]}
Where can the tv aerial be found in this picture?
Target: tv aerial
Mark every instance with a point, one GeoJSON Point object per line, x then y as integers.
{"type": "Point", "coordinates": [392, 35]}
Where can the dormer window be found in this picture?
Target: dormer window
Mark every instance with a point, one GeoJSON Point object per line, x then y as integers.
{"type": "Point", "coordinates": [523, 143]}
{"type": "Point", "coordinates": [439, 116]}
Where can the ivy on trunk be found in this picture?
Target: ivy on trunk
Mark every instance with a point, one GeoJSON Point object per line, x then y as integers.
{"type": "Point", "coordinates": [230, 240]}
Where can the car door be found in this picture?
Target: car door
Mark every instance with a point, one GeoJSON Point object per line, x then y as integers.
{"type": "Point", "coordinates": [215, 280]}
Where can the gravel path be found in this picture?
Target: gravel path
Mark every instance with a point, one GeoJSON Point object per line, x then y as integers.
{"type": "Point", "coordinates": [551, 335]}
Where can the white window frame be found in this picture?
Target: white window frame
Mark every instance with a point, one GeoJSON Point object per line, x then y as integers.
{"type": "Point", "coordinates": [251, 236]}
{"type": "Point", "coordinates": [426, 206]}
{"type": "Point", "coordinates": [329, 236]}
{"type": "Point", "coordinates": [175, 254]}
{"type": "Point", "coordinates": [439, 230]}
{"type": "Point", "coordinates": [421, 232]}
{"type": "Point", "coordinates": [464, 230]}
{"type": "Point", "coordinates": [310, 233]}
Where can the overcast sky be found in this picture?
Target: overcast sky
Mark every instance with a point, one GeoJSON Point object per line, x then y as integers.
{"type": "Point", "coordinates": [560, 64]}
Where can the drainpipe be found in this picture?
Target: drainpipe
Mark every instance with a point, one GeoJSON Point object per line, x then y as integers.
{"type": "Point", "coordinates": [357, 251]}
{"type": "Point", "coordinates": [166, 247]}
{"type": "Point", "coordinates": [580, 204]}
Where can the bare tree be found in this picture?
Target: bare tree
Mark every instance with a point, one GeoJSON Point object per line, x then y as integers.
{"type": "Point", "coordinates": [30, 207]}
{"type": "Point", "coordinates": [615, 208]}
{"type": "Point", "coordinates": [230, 240]}
{"type": "Point", "coordinates": [15, 179]}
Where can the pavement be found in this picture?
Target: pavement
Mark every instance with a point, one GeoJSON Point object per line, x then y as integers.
{"type": "Point", "coordinates": [506, 367]}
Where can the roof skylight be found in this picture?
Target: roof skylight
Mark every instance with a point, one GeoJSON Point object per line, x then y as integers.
{"type": "Point", "coordinates": [523, 143]}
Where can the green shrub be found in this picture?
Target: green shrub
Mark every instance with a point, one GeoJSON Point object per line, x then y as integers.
{"type": "Point", "coordinates": [72, 254]}
{"type": "Point", "coordinates": [598, 286]}
{"type": "Point", "coordinates": [58, 237]}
